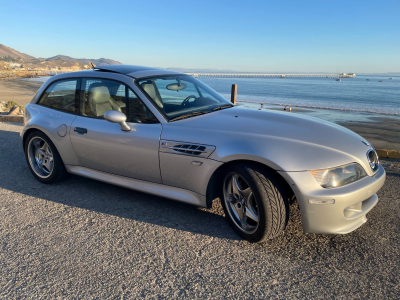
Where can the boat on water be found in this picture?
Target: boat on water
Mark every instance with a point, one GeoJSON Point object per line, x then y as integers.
{"type": "Point", "coordinates": [338, 77]}
{"type": "Point", "coordinates": [390, 77]}
{"type": "Point", "coordinates": [380, 81]}
{"type": "Point", "coordinates": [367, 79]}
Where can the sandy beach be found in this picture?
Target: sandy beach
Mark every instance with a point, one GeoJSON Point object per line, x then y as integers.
{"type": "Point", "coordinates": [18, 90]}
{"type": "Point", "coordinates": [383, 132]}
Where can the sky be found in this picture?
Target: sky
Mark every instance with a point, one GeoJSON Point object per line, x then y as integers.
{"type": "Point", "coordinates": [246, 36]}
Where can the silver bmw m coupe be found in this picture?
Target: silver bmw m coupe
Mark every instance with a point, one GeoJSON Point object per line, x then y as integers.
{"type": "Point", "coordinates": [167, 133]}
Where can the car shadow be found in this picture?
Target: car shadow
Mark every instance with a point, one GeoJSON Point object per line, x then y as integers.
{"type": "Point", "coordinates": [393, 174]}
{"type": "Point", "coordinates": [105, 198]}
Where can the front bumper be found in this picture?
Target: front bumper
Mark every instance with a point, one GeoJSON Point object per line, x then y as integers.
{"type": "Point", "coordinates": [352, 202]}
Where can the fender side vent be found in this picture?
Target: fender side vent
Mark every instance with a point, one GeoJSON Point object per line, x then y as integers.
{"type": "Point", "coordinates": [186, 148]}
{"type": "Point", "coordinates": [189, 149]}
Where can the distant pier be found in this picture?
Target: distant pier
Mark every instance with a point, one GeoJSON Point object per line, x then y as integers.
{"type": "Point", "coordinates": [228, 75]}
{"type": "Point", "coordinates": [253, 75]}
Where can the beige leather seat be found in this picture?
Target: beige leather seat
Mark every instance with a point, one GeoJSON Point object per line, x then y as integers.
{"type": "Point", "coordinates": [151, 89]}
{"type": "Point", "coordinates": [100, 101]}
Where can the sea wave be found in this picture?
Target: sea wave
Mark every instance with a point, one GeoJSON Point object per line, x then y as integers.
{"type": "Point", "coordinates": [319, 105]}
{"type": "Point", "coordinates": [40, 78]}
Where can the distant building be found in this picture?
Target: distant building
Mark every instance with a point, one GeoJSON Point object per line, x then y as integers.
{"type": "Point", "coordinates": [14, 65]}
{"type": "Point", "coordinates": [348, 75]}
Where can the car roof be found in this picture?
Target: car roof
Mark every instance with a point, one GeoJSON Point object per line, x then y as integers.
{"type": "Point", "coordinates": [135, 71]}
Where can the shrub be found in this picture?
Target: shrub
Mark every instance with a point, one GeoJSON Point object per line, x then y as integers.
{"type": "Point", "coordinates": [8, 58]}
{"type": "Point", "coordinates": [10, 104]}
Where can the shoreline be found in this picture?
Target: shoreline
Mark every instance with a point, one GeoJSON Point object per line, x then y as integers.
{"type": "Point", "coordinates": [16, 74]}
{"type": "Point", "coordinates": [382, 131]}
{"type": "Point", "coordinates": [306, 109]}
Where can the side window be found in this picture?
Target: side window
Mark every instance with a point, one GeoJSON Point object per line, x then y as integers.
{"type": "Point", "coordinates": [62, 95]}
{"type": "Point", "coordinates": [138, 111]}
{"type": "Point", "coordinates": [101, 95]}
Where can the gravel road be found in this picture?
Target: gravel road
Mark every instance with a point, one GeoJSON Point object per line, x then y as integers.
{"type": "Point", "coordinates": [82, 239]}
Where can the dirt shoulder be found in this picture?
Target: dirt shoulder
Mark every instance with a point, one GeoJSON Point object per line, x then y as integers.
{"type": "Point", "coordinates": [85, 239]}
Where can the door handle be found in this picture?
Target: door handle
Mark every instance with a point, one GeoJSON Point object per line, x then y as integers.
{"type": "Point", "coordinates": [80, 130]}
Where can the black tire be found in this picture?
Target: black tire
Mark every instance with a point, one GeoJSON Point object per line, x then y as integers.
{"type": "Point", "coordinates": [269, 198]}
{"type": "Point", "coordinates": [58, 172]}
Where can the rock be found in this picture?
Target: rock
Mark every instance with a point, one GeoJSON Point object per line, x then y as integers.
{"type": "Point", "coordinates": [15, 111]}
{"type": "Point", "coordinates": [393, 154]}
{"type": "Point", "coordinates": [382, 153]}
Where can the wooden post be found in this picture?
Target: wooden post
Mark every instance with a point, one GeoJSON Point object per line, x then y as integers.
{"type": "Point", "coordinates": [233, 93]}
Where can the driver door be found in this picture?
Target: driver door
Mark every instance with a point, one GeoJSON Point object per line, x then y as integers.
{"type": "Point", "coordinates": [103, 146]}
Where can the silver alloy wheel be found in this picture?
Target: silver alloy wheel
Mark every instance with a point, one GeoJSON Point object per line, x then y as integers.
{"type": "Point", "coordinates": [40, 157]}
{"type": "Point", "coordinates": [240, 203]}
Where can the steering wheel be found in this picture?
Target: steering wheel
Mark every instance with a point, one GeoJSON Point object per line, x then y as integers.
{"type": "Point", "coordinates": [186, 101]}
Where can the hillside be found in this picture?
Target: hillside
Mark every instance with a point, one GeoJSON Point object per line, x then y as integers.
{"type": "Point", "coordinates": [14, 64]}
{"type": "Point", "coordinates": [11, 55]}
{"type": "Point", "coordinates": [10, 52]}
{"type": "Point", "coordinates": [97, 62]}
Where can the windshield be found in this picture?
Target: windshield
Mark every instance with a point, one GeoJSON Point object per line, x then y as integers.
{"type": "Point", "coordinates": [179, 95]}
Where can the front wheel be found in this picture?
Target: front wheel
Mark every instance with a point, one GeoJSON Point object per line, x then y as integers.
{"type": "Point", "coordinates": [254, 201]}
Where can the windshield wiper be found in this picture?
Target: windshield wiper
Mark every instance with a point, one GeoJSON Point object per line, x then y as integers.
{"type": "Point", "coordinates": [202, 112]}
{"type": "Point", "coordinates": [192, 114]}
{"type": "Point", "coordinates": [223, 106]}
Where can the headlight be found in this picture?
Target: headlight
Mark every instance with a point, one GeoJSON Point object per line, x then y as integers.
{"type": "Point", "coordinates": [339, 176]}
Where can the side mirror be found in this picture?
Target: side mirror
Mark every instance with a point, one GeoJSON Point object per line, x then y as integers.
{"type": "Point", "coordinates": [115, 116]}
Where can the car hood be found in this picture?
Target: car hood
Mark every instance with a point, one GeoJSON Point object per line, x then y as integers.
{"type": "Point", "coordinates": [283, 138]}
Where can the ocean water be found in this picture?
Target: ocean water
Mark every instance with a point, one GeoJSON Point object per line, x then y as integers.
{"type": "Point", "coordinates": [41, 79]}
{"type": "Point", "coordinates": [350, 99]}
{"type": "Point", "coordinates": [356, 96]}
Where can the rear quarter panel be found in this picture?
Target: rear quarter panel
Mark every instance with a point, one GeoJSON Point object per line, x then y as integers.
{"type": "Point", "coordinates": [49, 121]}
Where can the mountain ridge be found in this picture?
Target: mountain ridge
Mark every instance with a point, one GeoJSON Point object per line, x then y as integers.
{"type": "Point", "coordinates": [98, 62]}
{"type": "Point", "coordinates": [8, 53]}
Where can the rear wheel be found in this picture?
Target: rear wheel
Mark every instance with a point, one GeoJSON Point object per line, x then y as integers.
{"type": "Point", "coordinates": [43, 159]}
{"type": "Point", "coordinates": [254, 201]}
